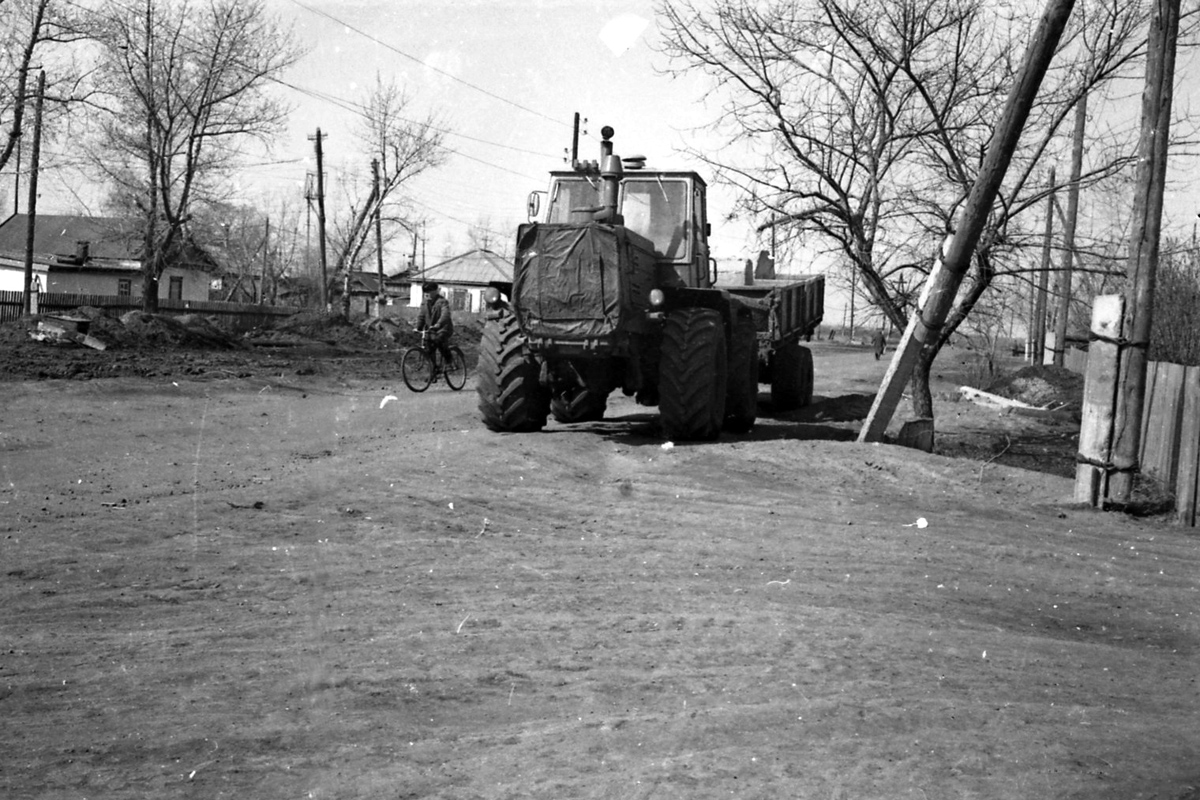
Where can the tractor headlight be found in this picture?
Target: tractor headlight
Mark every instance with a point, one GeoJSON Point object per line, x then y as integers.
{"type": "Point", "coordinates": [491, 296]}
{"type": "Point", "coordinates": [657, 298]}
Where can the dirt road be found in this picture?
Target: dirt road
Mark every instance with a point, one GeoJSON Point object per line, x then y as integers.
{"type": "Point", "coordinates": [259, 588]}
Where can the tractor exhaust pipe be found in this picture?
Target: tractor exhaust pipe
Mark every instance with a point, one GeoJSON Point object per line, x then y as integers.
{"type": "Point", "coordinates": [610, 173]}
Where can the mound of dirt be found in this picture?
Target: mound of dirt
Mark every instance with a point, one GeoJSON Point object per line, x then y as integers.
{"type": "Point", "coordinates": [1041, 386]}
{"type": "Point", "coordinates": [162, 330]}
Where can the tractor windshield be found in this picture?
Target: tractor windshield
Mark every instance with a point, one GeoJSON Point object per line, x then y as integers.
{"type": "Point", "coordinates": [657, 208]}
{"type": "Point", "coordinates": [572, 195]}
{"type": "Point", "coordinates": [654, 207]}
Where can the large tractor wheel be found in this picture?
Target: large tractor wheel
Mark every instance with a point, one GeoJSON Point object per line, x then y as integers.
{"type": "Point", "coordinates": [510, 397]}
{"type": "Point", "coordinates": [692, 384]}
{"type": "Point", "coordinates": [791, 376]}
{"type": "Point", "coordinates": [741, 393]}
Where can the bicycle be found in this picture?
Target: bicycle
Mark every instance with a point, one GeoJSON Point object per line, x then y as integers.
{"type": "Point", "coordinates": [420, 366]}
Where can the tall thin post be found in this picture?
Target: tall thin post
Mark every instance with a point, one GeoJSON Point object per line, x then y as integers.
{"type": "Point", "coordinates": [321, 220]}
{"type": "Point", "coordinates": [1143, 248]}
{"type": "Point", "coordinates": [1039, 313]}
{"type": "Point", "coordinates": [262, 282]}
{"type": "Point", "coordinates": [378, 238]}
{"type": "Point", "coordinates": [31, 211]}
{"type": "Point", "coordinates": [1068, 253]}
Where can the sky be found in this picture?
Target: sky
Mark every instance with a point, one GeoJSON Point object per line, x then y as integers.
{"type": "Point", "coordinates": [506, 78]}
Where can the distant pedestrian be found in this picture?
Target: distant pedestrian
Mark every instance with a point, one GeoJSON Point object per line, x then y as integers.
{"type": "Point", "coordinates": [879, 343]}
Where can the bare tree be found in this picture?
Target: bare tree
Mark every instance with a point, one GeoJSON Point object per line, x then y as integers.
{"type": "Point", "coordinates": [35, 34]}
{"type": "Point", "coordinates": [1175, 334]}
{"type": "Point", "coordinates": [404, 148]}
{"type": "Point", "coordinates": [866, 122]}
{"type": "Point", "coordinates": [187, 86]}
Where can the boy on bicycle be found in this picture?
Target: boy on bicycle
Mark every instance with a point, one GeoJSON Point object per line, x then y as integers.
{"type": "Point", "coordinates": [435, 317]}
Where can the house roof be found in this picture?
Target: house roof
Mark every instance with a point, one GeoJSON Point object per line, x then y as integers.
{"type": "Point", "coordinates": [364, 282]}
{"type": "Point", "coordinates": [114, 243]}
{"type": "Point", "coordinates": [58, 235]}
{"type": "Point", "coordinates": [478, 267]}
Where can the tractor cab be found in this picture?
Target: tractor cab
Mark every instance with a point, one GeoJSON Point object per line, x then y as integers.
{"type": "Point", "coordinates": [666, 207]}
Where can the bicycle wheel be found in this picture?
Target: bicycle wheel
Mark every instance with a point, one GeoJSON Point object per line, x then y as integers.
{"type": "Point", "coordinates": [456, 369]}
{"type": "Point", "coordinates": [416, 369]}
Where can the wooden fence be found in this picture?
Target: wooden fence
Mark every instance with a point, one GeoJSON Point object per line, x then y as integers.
{"type": "Point", "coordinates": [1170, 433]}
{"type": "Point", "coordinates": [230, 316]}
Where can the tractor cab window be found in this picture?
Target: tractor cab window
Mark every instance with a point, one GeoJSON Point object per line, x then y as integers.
{"type": "Point", "coordinates": [572, 194]}
{"type": "Point", "coordinates": [658, 209]}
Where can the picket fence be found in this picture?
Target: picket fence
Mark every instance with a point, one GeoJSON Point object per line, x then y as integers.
{"type": "Point", "coordinates": [229, 316]}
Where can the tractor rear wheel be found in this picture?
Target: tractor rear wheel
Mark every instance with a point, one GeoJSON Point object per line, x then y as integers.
{"type": "Point", "coordinates": [741, 394]}
{"type": "Point", "coordinates": [510, 397]}
{"type": "Point", "coordinates": [791, 376]}
{"type": "Point", "coordinates": [692, 384]}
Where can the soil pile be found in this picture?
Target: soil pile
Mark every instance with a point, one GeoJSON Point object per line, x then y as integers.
{"type": "Point", "coordinates": [1041, 386]}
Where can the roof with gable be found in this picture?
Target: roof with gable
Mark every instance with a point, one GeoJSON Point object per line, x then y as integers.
{"type": "Point", "coordinates": [113, 244]}
{"type": "Point", "coordinates": [476, 267]}
{"type": "Point", "coordinates": [56, 237]}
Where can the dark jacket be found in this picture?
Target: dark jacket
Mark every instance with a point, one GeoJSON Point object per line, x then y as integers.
{"type": "Point", "coordinates": [436, 317]}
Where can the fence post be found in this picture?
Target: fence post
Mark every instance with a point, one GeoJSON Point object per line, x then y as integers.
{"type": "Point", "coordinates": [1099, 399]}
{"type": "Point", "coordinates": [1188, 483]}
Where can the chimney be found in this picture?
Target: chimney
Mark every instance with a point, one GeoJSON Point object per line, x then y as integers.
{"type": "Point", "coordinates": [81, 251]}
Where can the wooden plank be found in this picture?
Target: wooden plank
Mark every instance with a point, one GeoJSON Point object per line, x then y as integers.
{"type": "Point", "coordinates": [1188, 482]}
{"type": "Point", "coordinates": [1099, 397]}
{"type": "Point", "coordinates": [1147, 407]}
{"type": "Point", "coordinates": [1161, 446]}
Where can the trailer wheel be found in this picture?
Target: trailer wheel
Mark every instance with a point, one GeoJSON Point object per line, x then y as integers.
{"type": "Point", "coordinates": [510, 397]}
{"type": "Point", "coordinates": [741, 394]}
{"type": "Point", "coordinates": [692, 381]}
{"type": "Point", "coordinates": [791, 376]}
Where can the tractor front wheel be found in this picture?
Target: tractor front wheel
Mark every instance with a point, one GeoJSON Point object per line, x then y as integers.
{"type": "Point", "coordinates": [692, 382]}
{"type": "Point", "coordinates": [511, 399]}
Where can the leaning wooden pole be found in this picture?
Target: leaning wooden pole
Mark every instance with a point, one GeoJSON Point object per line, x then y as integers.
{"type": "Point", "coordinates": [1143, 248]}
{"type": "Point", "coordinates": [942, 284]}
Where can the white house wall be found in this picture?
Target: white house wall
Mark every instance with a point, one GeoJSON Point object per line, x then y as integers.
{"type": "Point", "coordinates": [195, 283]}
{"type": "Point", "coordinates": [12, 278]}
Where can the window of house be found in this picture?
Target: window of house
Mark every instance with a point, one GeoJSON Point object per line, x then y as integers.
{"type": "Point", "coordinates": [175, 290]}
{"type": "Point", "coordinates": [124, 287]}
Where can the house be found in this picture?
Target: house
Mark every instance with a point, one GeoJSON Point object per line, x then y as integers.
{"type": "Point", "coordinates": [364, 292]}
{"type": "Point", "coordinates": [463, 279]}
{"type": "Point", "coordinates": [96, 256]}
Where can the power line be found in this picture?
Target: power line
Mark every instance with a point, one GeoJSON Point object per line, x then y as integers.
{"type": "Point", "coordinates": [416, 60]}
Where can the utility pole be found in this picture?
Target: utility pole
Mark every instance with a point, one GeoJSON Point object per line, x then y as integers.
{"type": "Point", "coordinates": [262, 283]}
{"type": "Point", "coordinates": [1068, 255]}
{"type": "Point", "coordinates": [940, 288]}
{"type": "Point", "coordinates": [321, 219]}
{"type": "Point", "coordinates": [1143, 249]}
{"type": "Point", "coordinates": [1039, 311]}
{"type": "Point", "coordinates": [378, 238]}
{"type": "Point", "coordinates": [31, 219]}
